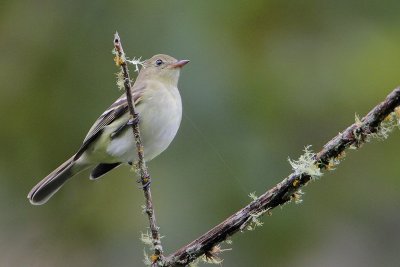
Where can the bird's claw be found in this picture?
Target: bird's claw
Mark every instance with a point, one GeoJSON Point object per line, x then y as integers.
{"type": "Point", "coordinates": [133, 121]}
{"type": "Point", "coordinates": [146, 181]}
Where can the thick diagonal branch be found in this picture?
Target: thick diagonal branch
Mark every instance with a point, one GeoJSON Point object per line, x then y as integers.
{"type": "Point", "coordinates": [120, 60]}
{"type": "Point", "coordinates": [354, 136]}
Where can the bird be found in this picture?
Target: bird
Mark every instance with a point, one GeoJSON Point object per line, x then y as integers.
{"type": "Point", "coordinates": [110, 142]}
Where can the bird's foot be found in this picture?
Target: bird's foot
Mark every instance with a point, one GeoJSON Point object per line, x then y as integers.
{"type": "Point", "coordinates": [133, 121]}
{"type": "Point", "coordinates": [145, 181]}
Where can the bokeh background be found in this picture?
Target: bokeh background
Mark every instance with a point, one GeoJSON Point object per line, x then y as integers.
{"type": "Point", "coordinates": [266, 78]}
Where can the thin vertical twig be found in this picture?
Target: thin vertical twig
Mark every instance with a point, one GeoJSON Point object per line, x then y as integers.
{"type": "Point", "coordinates": [121, 61]}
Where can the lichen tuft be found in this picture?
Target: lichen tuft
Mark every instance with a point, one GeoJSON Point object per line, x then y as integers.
{"type": "Point", "coordinates": [306, 164]}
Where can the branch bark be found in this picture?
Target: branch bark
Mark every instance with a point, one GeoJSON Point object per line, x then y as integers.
{"type": "Point", "coordinates": [372, 125]}
{"type": "Point", "coordinates": [120, 60]}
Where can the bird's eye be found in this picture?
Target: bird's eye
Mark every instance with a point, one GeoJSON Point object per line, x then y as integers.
{"type": "Point", "coordinates": [159, 62]}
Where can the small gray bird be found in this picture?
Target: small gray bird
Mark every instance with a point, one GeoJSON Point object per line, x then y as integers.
{"type": "Point", "coordinates": [110, 141]}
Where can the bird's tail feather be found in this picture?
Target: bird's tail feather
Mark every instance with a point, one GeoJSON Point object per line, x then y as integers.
{"type": "Point", "coordinates": [53, 182]}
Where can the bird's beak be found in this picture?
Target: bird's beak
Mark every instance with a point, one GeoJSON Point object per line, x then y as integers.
{"type": "Point", "coordinates": [180, 63]}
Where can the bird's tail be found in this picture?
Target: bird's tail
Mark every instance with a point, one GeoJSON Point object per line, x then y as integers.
{"type": "Point", "coordinates": [47, 187]}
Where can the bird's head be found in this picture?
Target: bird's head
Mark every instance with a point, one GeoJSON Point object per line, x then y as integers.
{"type": "Point", "coordinates": [163, 67]}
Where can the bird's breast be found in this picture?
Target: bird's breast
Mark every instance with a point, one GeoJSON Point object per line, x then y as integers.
{"type": "Point", "coordinates": [160, 114]}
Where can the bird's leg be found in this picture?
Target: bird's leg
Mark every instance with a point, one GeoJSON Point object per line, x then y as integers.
{"type": "Point", "coordinates": [118, 131]}
{"type": "Point", "coordinates": [132, 121]}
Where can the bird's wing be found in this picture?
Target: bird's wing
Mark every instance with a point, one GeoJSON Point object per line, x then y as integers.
{"type": "Point", "coordinates": [115, 111]}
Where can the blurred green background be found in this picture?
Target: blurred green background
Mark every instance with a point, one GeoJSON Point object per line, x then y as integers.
{"type": "Point", "coordinates": [266, 78]}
